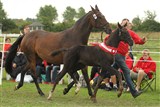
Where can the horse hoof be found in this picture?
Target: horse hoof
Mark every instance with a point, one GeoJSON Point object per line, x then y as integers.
{"type": "Point", "coordinates": [50, 95]}
{"type": "Point", "coordinates": [49, 98]}
{"type": "Point", "coordinates": [15, 88]}
{"type": "Point", "coordinates": [76, 92]}
{"type": "Point", "coordinates": [65, 91]}
{"type": "Point", "coordinates": [119, 94]}
{"type": "Point", "coordinates": [42, 94]}
{"type": "Point", "coordinates": [93, 99]}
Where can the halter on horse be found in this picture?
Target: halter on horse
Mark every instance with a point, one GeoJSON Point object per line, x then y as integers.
{"type": "Point", "coordinates": [78, 57]}
{"type": "Point", "coordinates": [38, 45]}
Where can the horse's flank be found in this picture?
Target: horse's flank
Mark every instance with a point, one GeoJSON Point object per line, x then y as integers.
{"type": "Point", "coordinates": [44, 42]}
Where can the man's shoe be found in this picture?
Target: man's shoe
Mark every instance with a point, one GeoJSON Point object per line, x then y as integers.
{"type": "Point", "coordinates": [115, 88]}
{"type": "Point", "coordinates": [137, 93]}
{"type": "Point", "coordinates": [108, 88]}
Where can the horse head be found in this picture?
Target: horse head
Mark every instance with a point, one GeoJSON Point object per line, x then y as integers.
{"type": "Point", "coordinates": [99, 21]}
{"type": "Point", "coordinates": [124, 34]}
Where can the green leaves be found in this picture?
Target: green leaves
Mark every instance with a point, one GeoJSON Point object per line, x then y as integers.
{"type": "Point", "coordinates": [47, 15]}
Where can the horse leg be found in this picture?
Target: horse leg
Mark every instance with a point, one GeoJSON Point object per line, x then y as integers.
{"type": "Point", "coordinates": [20, 84]}
{"type": "Point", "coordinates": [78, 84]}
{"type": "Point", "coordinates": [86, 77]}
{"type": "Point", "coordinates": [119, 76]}
{"type": "Point", "coordinates": [37, 85]}
{"type": "Point", "coordinates": [99, 81]}
{"type": "Point", "coordinates": [66, 90]}
{"type": "Point", "coordinates": [58, 78]}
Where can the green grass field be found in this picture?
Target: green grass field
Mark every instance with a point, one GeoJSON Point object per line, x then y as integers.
{"type": "Point", "coordinates": [27, 96]}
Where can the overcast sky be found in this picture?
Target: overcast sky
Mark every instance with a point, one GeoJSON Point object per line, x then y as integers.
{"type": "Point", "coordinates": [114, 10]}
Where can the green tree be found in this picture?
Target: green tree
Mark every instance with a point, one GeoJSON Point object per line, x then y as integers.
{"type": "Point", "coordinates": [150, 26]}
{"type": "Point", "coordinates": [81, 12]}
{"type": "Point", "coordinates": [47, 15]}
{"type": "Point", "coordinates": [69, 14]}
{"type": "Point", "coordinates": [9, 26]}
{"type": "Point", "coordinates": [2, 13]}
{"type": "Point", "coordinates": [31, 20]}
{"type": "Point", "coordinates": [21, 23]}
{"type": "Point", "coordinates": [150, 15]}
{"type": "Point", "coordinates": [136, 23]}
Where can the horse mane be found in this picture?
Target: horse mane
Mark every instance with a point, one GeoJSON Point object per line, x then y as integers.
{"type": "Point", "coordinates": [81, 20]}
{"type": "Point", "coordinates": [112, 35]}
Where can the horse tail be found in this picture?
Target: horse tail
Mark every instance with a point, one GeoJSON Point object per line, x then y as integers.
{"type": "Point", "coordinates": [54, 53]}
{"type": "Point", "coordinates": [10, 56]}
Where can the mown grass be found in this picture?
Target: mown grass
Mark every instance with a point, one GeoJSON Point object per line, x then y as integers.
{"type": "Point", "coordinates": [28, 97]}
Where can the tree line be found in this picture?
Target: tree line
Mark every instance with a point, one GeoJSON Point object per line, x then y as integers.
{"type": "Point", "coordinates": [48, 16]}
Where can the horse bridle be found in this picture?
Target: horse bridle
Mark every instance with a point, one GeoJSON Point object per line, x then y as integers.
{"type": "Point", "coordinates": [95, 16]}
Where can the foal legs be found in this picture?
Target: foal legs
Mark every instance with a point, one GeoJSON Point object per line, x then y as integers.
{"type": "Point", "coordinates": [85, 75]}
{"type": "Point", "coordinates": [66, 90]}
{"type": "Point", "coordinates": [93, 98]}
{"type": "Point", "coordinates": [78, 85]}
{"type": "Point", "coordinates": [119, 76]}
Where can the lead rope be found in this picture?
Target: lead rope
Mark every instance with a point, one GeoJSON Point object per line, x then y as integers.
{"type": "Point", "coordinates": [102, 36]}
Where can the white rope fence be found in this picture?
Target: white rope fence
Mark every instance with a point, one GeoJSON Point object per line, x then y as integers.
{"type": "Point", "coordinates": [149, 52]}
{"type": "Point", "coordinates": [142, 51]}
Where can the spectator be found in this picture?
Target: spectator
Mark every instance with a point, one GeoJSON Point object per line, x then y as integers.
{"type": "Point", "coordinates": [120, 58]}
{"type": "Point", "coordinates": [106, 84]}
{"type": "Point", "coordinates": [7, 45]}
{"type": "Point", "coordinates": [94, 72]}
{"type": "Point", "coordinates": [26, 30]}
{"type": "Point", "coordinates": [129, 63]}
{"type": "Point", "coordinates": [48, 73]}
{"type": "Point", "coordinates": [111, 83]}
{"type": "Point", "coordinates": [18, 62]}
{"type": "Point", "coordinates": [51, 73]}
{"type": "Point", "coordinates": [40, 69]}
{"type": "Point", "coordinates": [143, 68]}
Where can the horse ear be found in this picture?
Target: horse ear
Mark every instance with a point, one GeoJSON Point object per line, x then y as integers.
{"type": "Point", "coordinates": [119, 26]}
{"type": "Point", "coordinates": [96, 7]}
{"type": "Point", "coordinates": [93, 9]}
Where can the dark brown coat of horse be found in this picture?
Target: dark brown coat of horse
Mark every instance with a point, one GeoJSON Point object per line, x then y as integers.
{"type": "Point", "coordinates": [77, 57]}
{"type": "Point", "coordinates": [38, 45]}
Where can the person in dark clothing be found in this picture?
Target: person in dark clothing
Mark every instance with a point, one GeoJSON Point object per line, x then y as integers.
{"type": "Point", "coordinates": [18, 63]}
{"type": "Point", "coordinates": [94, 70]}
{"type": "Point", "coordinates": [40, 69]}
{"type": "Point", "coordinates": [51, 73]}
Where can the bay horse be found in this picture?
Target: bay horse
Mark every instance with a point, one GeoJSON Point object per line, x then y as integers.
{"type": "Point", "coordinates": [102, 55]}
{"type": "Point", "coordinates": [38, 44]}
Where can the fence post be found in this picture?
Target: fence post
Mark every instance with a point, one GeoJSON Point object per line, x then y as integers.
{"type": "Point", "coordinates": [1, 71]}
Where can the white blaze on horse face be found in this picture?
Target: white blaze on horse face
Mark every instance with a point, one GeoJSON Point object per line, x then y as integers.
{"type": "Point", "coordinates": [95, 16]}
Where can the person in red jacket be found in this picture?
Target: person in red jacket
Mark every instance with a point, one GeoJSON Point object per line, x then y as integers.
{"type": "Point", "coordinates": [7, 46]}
{"type": "Point", "coordinates": [122, 50]}
{"type": "Point", "coordinates": [144, 67]}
